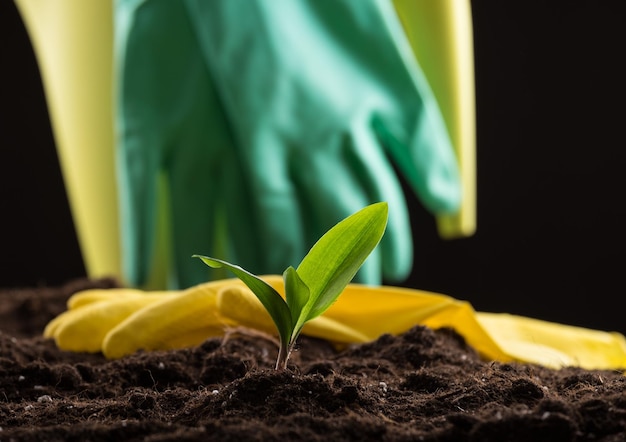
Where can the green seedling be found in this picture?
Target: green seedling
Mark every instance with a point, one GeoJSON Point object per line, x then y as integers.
{"type": "Point", "coordinates": [319, 279]}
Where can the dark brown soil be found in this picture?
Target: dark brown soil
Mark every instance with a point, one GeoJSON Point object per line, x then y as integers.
{"type": "Point", "coordinates": [422, 386]}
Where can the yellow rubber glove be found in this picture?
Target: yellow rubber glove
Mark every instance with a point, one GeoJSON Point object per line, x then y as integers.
{"type": "Point", "coordinates": [118, 322]}
{"type": "Point", "coordinates": [92, 314]}
{"type": "Point", "coordinates": [182, 320]}
{"type": "Point", "coordinates": [127, 320]}
{"type": "Point", "coordinates": [554, 345]}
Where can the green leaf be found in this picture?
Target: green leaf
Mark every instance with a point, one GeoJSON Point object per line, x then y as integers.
{"type": "Point", "coordinates": [270, 298]}
{"type": "Point", "coordinates": [336, 257]}
{"type": "Point", "coordinates": [297, 297]}
{"type": "Point", "coordinates": [321, 277]}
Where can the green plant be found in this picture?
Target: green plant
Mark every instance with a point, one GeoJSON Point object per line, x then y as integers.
{"type": "Point", "coordinates": [319, 279]}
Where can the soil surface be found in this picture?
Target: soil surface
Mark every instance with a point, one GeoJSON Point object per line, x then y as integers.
{"type": "Point", "coordinates": [424, 385]}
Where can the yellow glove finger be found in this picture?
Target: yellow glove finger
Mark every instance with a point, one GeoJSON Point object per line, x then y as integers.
{"type": "Point", "coordinates": [241, 305]}
{"type": "Point", "coordinates": [85, 297]}
{"type": "Point", "coordinates": [555, 345]}
{"type": "Point", "coordinates": [332, 330]}
{"type": "Point", "coordinates": [237, 302]}
{"type": "Point", "coordinates": [83, 329]}
{"type": "Point", "coordinates": [51, 328]}
{"type": "Point", "coordinates": [182, 320]}
{"type": "Point", "coordinates": [89, 297]}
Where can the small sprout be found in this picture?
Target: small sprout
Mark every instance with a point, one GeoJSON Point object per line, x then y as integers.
{"type": "Point", "coordinates": [320, 278]}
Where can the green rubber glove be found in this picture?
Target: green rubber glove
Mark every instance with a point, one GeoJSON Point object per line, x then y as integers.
{"type": "Point", "coordinates": [279, 117]}
{"type": "Point", "coordinates": [170, 125]}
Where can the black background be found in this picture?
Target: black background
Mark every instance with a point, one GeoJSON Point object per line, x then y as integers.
{"type": "Point", "coordinates": [551, 216]}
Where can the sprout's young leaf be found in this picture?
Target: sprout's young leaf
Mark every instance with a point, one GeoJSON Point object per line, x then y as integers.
{"type": "Point", "coordinates": [336, 257]}
{"type": "Point", "coordinates": [321, 277]}
{"type": "Point", "coordinates": [270, 298]}
{"type": "Point", "coordinates": [297, 294]}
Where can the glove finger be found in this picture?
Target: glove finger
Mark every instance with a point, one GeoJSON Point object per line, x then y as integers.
{"type": "Point", "coordinates": [275, 226]}
{"type": "Point", "coordinates": [53, 326]}
{"type": "Point", "coordinates": [204, 181]}
{"type": "Point", "coordinates": [239, 231]}
{"type": "Point", "coordinates": [91, 296]}
{"type": "Point", "coordinates": [334, 331]}
{"type": "Point", "coordinates": [325, 202]}
{"type": "Point", "coordinates": [237, 302]}
{"type": "Point", "coordinates": [373, 172]}
{"type": "Point", "coordinates": [84, 329]}
{"type": "Point", "coordinates": [169, 122]}
{"type": "Point", "coordinates": [86, 298]}
{"type": "Point", "coordinates": [139, 146]}
{"type": "Point", "coordinates": [416, 138]}
{"type": "Point", "coordinates": [362, 177]}
{"type": "Point", "coordinates": [241, 305]}
{"type": "Point", "coordinates": [426, 160]}
{"type": "Point", "coordinates": [239, 55]}
{"type": "Point", "coordinates": [183, 320]}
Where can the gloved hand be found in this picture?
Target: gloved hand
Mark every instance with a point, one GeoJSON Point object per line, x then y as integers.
{"type": "Point", "coordinates": [121, 321]}
{"type": "Point", "coordinates": [273, 120]}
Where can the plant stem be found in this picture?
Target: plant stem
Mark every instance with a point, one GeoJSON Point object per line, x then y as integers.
{"type": "Point", "coordinates": [283, 356]}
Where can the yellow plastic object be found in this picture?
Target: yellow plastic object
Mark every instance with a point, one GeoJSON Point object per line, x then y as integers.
{"type": "Point", "coordinates": [555, 345]}
{"type": "Point", "coordinates": [83, 329]}
{"type": "Point", "coordinates": [364, 313]}
{"type": "Point", "coordinates": [182, 320]}
{"type": "Point", "coordinates": [496, 336]}
{"type": "Point", "coordinates": [73, 43]}
{"type": "Point", "coordinates": [91, 296]}
{"type": "Point", "coordinates": [441, 35]}
{"type": "Point", "coordinates": [372, 311]}
{"type": "Point", "coordinates": [95, 319]}
{"type": "Point", "coordinates": [126, 321]}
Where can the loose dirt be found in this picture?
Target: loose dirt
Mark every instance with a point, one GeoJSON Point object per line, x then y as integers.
{"type": "Point", "coordinates": [425, 385]}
